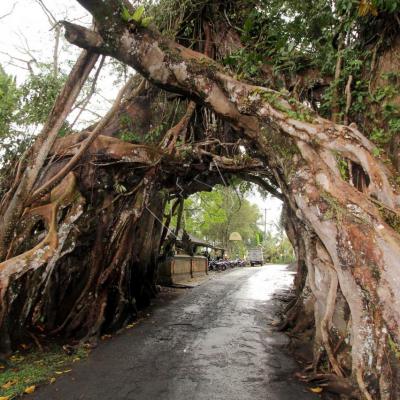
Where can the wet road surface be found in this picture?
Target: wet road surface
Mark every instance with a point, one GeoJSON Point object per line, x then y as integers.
{"type": "Point", "coordinates": [214, 342]}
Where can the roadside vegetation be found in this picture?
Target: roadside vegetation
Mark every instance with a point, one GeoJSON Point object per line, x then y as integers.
{"type": "Point", "coordinates": [29, 368]}
{"type": "Point", "coordinates": [215, 214]}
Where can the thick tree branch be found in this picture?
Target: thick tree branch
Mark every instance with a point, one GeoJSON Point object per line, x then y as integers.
{"type": "Point", "coordinates": [250, 109]}
{"type": "Point", "coordinates": [83, 37]}
{"type": "Point", "coordinates": [258, 180]}
{"type": "Point", "coordinates": [84, 147]}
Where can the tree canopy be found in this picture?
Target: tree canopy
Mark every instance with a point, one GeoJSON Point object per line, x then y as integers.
{"type": "Point", "coordinates": [300, 98]}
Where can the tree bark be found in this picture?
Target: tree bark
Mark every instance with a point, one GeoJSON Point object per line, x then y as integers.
{"type": "Point", "coordinates": [92, 255]}
{"type": "Point", "coordinates": [12, 210]}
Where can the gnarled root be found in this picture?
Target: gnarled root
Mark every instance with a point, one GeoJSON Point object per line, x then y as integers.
{"type": "Point", "coordinates": [331, 383]}
{"type": "Point", "coordinates": [65, 194]}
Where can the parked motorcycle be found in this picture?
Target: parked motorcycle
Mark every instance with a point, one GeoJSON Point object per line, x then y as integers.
{"type": "Point", "coordinates": [217, 265]}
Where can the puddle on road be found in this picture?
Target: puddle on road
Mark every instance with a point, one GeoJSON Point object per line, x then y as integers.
{"type": "Point", "coordinates": [262, 285]}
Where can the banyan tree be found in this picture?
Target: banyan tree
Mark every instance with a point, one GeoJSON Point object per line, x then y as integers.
{"type": "Point", "coordinates": [221, 92]}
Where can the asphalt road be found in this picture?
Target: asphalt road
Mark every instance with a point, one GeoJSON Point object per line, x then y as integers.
{"type": "Point", "coordinates": [214, 342]}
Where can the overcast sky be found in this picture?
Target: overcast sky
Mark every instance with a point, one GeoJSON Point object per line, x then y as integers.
{"type": "Point", "coordinates": [27, 27]}
{"type": "Point", "coordinates": [27, 33]}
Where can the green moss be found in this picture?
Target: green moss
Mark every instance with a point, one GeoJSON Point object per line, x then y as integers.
{"type": "Point", "coordinates": [339, 212]}
{"type": "Point", "coordinates": [34, 367]}
{"type": "Point", "coordinates": [287, 105]}
{"type": "Point", "coordinates": [283, 147]}
{"type": "Point", "coordinates": [376, 273]}
{"type": "Point", "coordinates": [390, 217]}
{"type": "Point", "coordinates": [173, 55]}
{"type": "Point", "coordinates": [335, 209]}
{"type": "Point", "coordinates": [204, 65]}
{"type": "Point", "coordinates": [394, 347]}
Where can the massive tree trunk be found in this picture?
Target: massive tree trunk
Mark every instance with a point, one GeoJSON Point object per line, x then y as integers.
{"type": "Point", "coordinates": [84, 257]}
{"type": "Point", "coordinates": [96, 224]}
{"type": "Point", "coordinates": [353, 243]}
{"type": "Point", "coordinates": [31, 164]}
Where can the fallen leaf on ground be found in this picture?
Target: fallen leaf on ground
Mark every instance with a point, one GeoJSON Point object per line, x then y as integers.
{"type": "Point", "coordinates": [69, 349]}
{"type": "Point", "coordinates": [5, 397]}
{"type": "Point", "coordinates": [130, 325]}
{"type": "Point", "coordinates": [275, 322]}
{"type": "Point", "coordinates": [301, 376]}
{"type": "Point", "coordinates": [30, 389]}
{"type": "Point", "coordinates": [316, 389]}
{"type": "Point", "coordinates": [104, 337]}
{"type": "Point", "coordinates": [8, 384]}
{"type": "Point", "coordinates": [63, 372]}
{"type": "Point", "coordinates": [52, 380]}
{"type": "Point", "coordinates": [16, 358]}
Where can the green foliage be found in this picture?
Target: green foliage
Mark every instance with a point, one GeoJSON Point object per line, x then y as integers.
{"type": "Point", "coordinates": [379, 136]}
{"type": "Point", "coordinates": [386, 118]}
{"type": "Point", "coordinates": [12, 141]}
{"type": "Point", "coordinates": [376, 151]}
{"type": "Point", "coordinates": [9, 98]}
{"type": "Point", "coordinates": [366, 9]}
{"type": "Point", "coordinates": [131, 137]}
{"type": "Point", "coordinates": [170, 16]}
{"type": "Point", "coordinates": [136, 17]}
{"type": "Point", "coordinates": [215, 215]}
{"type": "Point", "coordinates": [127, 134]}
{"type": "Point", "coordinates": [246, 64]}
{"type": "Point", "coordinates": [24, 108]}
{"type": "Point", "coordinates": [278, 249]}
{"type": "Point", "coordinates": [285, 34]}
{"type": "Point", "coordinates": [37, 96]}
{"type": "Point", "coordinates": [155, 134]}
{"type": "Point", "coordinates": [343, 168]}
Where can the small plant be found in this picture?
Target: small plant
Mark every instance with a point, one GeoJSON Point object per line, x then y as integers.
{"type": "Point", "coordinates": [376, 151]}
{"type": "Point", "coordinates": [119, 188]}
{"type": "Point", "coordinates": [131, 137]}
{"type": "Point", "coordinates": [343, 168]}
{"type": "Point", "coordinates": [136, 17]}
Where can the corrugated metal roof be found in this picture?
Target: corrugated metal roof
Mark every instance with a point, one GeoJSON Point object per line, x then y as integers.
{"type": "Point", "coordinates": [197, 241]}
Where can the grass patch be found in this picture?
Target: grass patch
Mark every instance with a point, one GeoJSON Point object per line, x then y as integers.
{"type": "Point", "coordinates": [31, 368]}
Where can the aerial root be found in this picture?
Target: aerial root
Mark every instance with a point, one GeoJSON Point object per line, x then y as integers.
{"type": "Point", "coordinates": [361, 383]}
{"type": "Point", "coordinates": [327, 320]}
